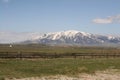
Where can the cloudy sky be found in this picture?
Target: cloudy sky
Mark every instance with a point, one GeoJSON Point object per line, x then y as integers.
{"type": "Point", "coordinates": [93, 16]}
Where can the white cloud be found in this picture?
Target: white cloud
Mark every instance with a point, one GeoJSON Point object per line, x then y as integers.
{"type": "Point", "coordinates": [9, 37]}
{"type": "Point", "coordinates": [102, 21]}
{"type": "Point", "coordinates": [108, 20]}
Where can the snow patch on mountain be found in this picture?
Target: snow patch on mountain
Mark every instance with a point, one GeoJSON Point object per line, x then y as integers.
{"type": "Point", "coordinates": [66, 34]}
{"type": "Point", "coordinates": [75, 37]}
{"type": "Point", "coordinates": [63, 37]}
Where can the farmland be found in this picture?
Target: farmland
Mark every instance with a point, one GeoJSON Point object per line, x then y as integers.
{"type": "Point", "coordinates": [56, 49]}
{"type": "Point", "coordinates": [43, 51]}
{"type": "Point", "coordinates": [46, 66]}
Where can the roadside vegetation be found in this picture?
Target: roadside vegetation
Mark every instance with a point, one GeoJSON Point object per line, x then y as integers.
{"type": "Point", "coordinates": [11, 68]}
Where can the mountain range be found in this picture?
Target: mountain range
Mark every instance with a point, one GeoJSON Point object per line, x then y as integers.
{"type": "Point", "coordinates": [73, 37]}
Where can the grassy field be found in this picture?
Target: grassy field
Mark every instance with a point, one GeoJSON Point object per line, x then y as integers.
{"type": "Point", "coordinates": [44, 67]}
{"type": "Point", "coordinates": [20, 68]}
{"type": "Point", "coordinates": [56, 49]}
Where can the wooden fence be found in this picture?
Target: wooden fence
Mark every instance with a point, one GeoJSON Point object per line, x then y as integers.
{"type": "Point", "coordinates": [54, 55]}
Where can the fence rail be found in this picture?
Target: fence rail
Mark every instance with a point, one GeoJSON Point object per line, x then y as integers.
{"type": "Point", "coordinates": [56, 55]}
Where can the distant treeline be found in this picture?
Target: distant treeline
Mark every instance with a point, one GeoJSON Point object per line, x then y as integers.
{"type": "Point", "coordinates": [55, 55]}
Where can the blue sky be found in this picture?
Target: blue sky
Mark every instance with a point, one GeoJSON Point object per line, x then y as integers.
{"type": "Point", "coordinates": [93, 16]}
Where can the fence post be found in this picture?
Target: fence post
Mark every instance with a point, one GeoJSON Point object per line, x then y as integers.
{"type": "Point", "coordinates": [107, 55]}
{"type": "Point", "coordinates": [19, 55]}
{"type": "Point", "coordinates": [74, 55]}
{"type": "Point", "coordinates": [7, 55]}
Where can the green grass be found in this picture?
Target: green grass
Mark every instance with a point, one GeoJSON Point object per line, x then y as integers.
{"type": "Point", "coordinates": [43, 67]}
{"type": "Point", "coordinates": [56, 49]}
{"type": "Point", "coordinates": [65, 66]}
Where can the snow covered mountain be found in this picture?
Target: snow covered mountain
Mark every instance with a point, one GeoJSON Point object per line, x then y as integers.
{"type": "Point", "coordinates": [73, 37]}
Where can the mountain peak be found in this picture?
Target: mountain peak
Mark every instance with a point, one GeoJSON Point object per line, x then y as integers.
{"type": "Point", "coordinates": [70, 32]}
{"type": "Point", "coordinates": [75, 37]}
{"type": "Point", "coordinates": [75, 31]}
